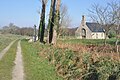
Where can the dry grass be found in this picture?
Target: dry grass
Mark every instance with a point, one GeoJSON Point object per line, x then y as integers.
{"type": "Point", "coordinates": [76, 61]}
{"type": "Point", "coordinates": [96, 50]}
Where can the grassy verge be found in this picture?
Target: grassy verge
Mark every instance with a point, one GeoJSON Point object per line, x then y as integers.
{"type": "Point", "coordinates": [7, 63]}
{"type": "Point", "coordinates": [36, 68]}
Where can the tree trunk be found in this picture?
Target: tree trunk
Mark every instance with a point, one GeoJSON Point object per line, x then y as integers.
{"type": "Point", "coordinates": [39, 32]}
{"type": "Point", "coordinates": [58, 16]}
{"type": "Point", "coordinates": [51, 20]}
{"type": "Point", "coordinates": [56, 23]}
{"type": "Point", "coordinates": [105, 40]}
{"type": "Point", "coordinates": [54, 39]}
{"type": "Point", "coordinates": [117, 39]}
{"type": "Point", "coordinates": [42, 22]}
{"type": "Point", "coordinates": [116, 44]}
{"type": "Point", "coordinates": [48, 36]}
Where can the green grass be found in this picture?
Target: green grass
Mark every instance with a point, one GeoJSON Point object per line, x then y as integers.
{"type": "Point", "coordinates": [5, 40]}
{"type": "Point", "coordinates": [88, 41]}
{"type": "Point", "coordinates": [7, 63]}
{"type": "Point", "coordinates": [36, 67]}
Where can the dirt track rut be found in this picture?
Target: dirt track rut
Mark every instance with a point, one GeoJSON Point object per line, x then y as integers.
{"type": "Point", "coordinates": [18, 71]}
{"type": "Point", "coordinates": [6, 49]}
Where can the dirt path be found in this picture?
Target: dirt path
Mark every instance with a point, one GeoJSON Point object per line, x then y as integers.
{"type": "Point", "coordinates": [18, 72]}
{"type": "Point", "coordinates": [6, 49]}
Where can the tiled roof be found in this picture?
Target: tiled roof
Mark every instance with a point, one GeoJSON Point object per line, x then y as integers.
{"type": "Point", "coordinates": [95, 27]}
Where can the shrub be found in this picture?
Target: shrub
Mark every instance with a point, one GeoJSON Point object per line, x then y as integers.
{"type": "Point", "coordinates": [73, 65]}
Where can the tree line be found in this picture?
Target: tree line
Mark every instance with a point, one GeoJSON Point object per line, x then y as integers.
{"type": "Point", "coordinates": [13, 29]}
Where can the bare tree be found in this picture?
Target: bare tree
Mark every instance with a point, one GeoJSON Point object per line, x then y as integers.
{"type": "Point", "coordinates": [64, 16]}
{"type": "Point", "coordinates": [65, 20]}
{"type": "Point", "coordinates": [103, 16]}
{"type": "Point", "coordinates": [115, 6]}
{"type": "Point", "coordinates": [42, 21]}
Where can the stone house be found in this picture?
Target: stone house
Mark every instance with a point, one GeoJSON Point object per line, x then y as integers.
{"type": "Point", "coordinates": [89, 30]}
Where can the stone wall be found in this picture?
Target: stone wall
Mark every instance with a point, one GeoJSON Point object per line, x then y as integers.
{"type": "Point", "coordinates": [78, 32]}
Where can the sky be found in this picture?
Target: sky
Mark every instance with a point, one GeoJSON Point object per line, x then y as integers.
{"type": "Point", "coordinates": [24, 13]}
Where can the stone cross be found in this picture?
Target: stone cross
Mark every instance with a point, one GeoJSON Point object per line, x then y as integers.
{"type": "Point", "coordinates": [35, 33]}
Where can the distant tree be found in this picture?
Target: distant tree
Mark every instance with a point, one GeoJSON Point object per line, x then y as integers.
{"type": "Point", "coordinates": [116, 11]}
{"type": "Point", "coordinates": [65, 20]}
{"type": "Point", "coordinates": [5, 29]}
{"type": "Point", "coordinates": [42, 21]}
{"type": "Point", "coordinates": [11, 28]}
{"type": "Point", "coordinates": [26, 31]}
{"type": "Point", "coordinates": [103, 16]}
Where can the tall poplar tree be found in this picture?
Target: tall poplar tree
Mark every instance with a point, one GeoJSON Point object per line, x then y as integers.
{"type": "Point", "coordinates": [51, 20]}
{"type": "Point", "coordinates": [56, 22]}
{"type": "Point", "coordinates": [42, 21]}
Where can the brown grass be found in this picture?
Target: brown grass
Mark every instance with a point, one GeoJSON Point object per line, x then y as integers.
{"type": "Point", "coordinates": [96, 50]}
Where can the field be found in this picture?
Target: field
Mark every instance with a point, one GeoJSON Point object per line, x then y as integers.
{"type": "Point", "coordinates": [83, 59]}
{"type": "Point", "coordinates": [5, 39]}
{"type": "Point", "coordinates": [88, 41]}
{"type": "Point", "coordinates": [70, 59]}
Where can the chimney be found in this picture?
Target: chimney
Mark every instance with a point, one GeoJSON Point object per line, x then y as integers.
{"type": "Point", "coordinates": [83, 20]}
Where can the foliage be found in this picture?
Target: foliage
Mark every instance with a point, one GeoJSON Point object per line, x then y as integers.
{"type": "Point", "coordinates": [112, 34]}
{"type": "Point", "coordinates": [77, 65]}
{"type": "Point", "coordinates": [70, 67]}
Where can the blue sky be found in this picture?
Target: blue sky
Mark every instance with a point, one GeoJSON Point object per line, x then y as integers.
{"type": "Point", "coordinates": [24, 13]}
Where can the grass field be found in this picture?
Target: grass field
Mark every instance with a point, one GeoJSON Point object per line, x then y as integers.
{"type": "Point", "coordinates": [36, 67]}
{"type": "Point", "coordinates": [7, 63]}
{"type": "Point", "coordinates": [5, 40]}
{"type": "Point", "coordinates": [88, 41]}
{"type": "Point", "coordinates": [71, 59]}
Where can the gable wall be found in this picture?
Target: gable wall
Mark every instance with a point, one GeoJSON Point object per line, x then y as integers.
{"type": "Point", "coordinates": [89, 33]}
{"type": "Point", "coordinates": [78, 32]}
